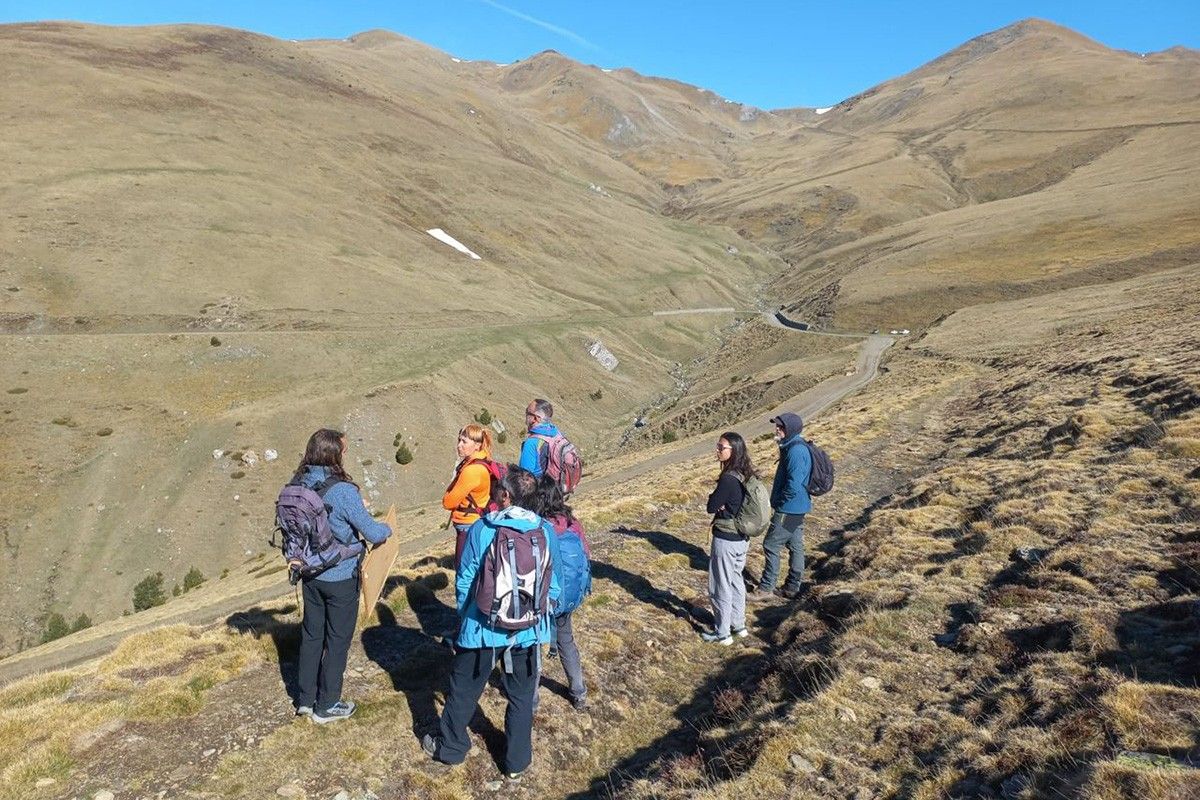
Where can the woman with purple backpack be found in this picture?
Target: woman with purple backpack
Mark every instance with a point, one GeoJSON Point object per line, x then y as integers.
{"type": "Point", "coordinates": [553, 508]}
{"type": "Point", "coordinates": [331, 596]}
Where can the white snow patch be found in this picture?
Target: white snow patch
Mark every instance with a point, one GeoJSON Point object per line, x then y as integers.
{"type": "Point", "coordinates": [602, 69]}
{"type": "Point", "coordinates": [823, 110]}
{"type": "Point", "coordinates": [456, 60]}
{"type": "Point", "coordinates": [442, 236]}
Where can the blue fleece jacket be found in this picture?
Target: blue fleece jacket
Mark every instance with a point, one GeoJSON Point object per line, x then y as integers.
{"type": "Point", "coordinates": [348, 514]}
{"type": "Point", "coordinates": [473, 631]}
{"type": "Point", "coordinates": [532, 448]}
{"type": "Point", "coordinates": [789, 491]}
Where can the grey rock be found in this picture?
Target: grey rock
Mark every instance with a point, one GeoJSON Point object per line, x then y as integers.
{"type": "Point", "coordinates": [846, 714]}
{"type": "Point", "coordinates": [801, 764]}
{"type": "Point", "coordinates": [870, 683]}
{"type": "Point", "coordinates": [209, 752]}
{"type": "Point", "coordinates": [42, 783]}
{"type": "Point", "coordinates": [104, 794]}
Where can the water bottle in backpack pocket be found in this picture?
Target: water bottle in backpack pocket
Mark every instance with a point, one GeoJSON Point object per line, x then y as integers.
{"type": "Point", "coordinates": [309, 546]}
{"type": "Point", "coordinates": [513, 587]}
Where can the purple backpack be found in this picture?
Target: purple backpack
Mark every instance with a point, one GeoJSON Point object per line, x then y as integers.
{"type": "Point", "coordinates": [513, 590]}
{"type": "Point", "coordinates": [309, 545]}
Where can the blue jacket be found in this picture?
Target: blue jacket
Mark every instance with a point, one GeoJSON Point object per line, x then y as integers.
{"type": "Point", "coordinates": [473, 631]}
{"type": "Point", "coordinates": [789, 491]}
{"type": "Point", "coordinates": [531, 448]}
{"type": "Point", "coordinates": [348, 515]}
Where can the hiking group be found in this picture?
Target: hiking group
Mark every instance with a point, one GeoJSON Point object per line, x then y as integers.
{"type": "Point", "coordinates": [522, 565]}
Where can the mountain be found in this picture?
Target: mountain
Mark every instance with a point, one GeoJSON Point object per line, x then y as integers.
{"type": "Point", "coordinates": [214, 242]}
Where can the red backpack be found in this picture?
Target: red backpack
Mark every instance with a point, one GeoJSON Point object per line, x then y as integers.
{"type": "Point", "coordinates": [496, 472]}
{"type": "Point", "coordinates": [563, 462]}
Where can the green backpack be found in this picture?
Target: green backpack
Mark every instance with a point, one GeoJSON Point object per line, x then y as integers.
{"type": "Point", "coordinates": [754, 517]}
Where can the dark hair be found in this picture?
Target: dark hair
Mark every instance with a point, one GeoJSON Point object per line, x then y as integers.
{"type": "Point", "coordinates": [739, 458]}
{"type": "Point", "coordinates": [543, 408]}
{"type": "Point", "coordinates": [551, 502]}
{"type": "Point", "coordinates": [324, 449]}
{"type": "Point", "coordinates": [521, 487]}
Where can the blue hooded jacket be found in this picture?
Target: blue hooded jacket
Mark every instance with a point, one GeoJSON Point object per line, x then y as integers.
{"type": "Point", "coordinates": [531, 448]}
{"type": "Point", "coordinates": [789, 490]}
{"type": "Point", "coordinates": [348, 514]}
{"type": "Point", "coordinates": [473, 632]}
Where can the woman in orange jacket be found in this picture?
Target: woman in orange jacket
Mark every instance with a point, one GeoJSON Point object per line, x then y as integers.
{"type": "Point", "coordinates": [468, 494]}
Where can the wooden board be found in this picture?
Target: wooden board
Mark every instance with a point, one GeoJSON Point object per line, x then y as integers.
{"type": "Point", "coordinates": [376, 565]}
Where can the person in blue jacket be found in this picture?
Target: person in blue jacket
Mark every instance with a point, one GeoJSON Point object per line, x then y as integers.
{"type": "Point", "coordinates": [331, 598]}
{"type": "Point", "coordinates": [789, 503]}
{"type": "Point", "coordinates": [534, 453]}
{"type": "Point", "coordinates": [478, 648]}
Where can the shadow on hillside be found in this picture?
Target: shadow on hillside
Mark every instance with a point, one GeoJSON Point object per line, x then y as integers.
{"type": "Point", "coordinates": [419, 667]}
{"type": "Point", "coordinates": [1159, 643]}
{"type": "Point", "coordinates": [285, 635]}
{"type": "Point", "coordinates": [798, 670]}
{"type": "Point", "coordinates": [671, 545]}
{"type": "Point", "coordinates": [643, 590]}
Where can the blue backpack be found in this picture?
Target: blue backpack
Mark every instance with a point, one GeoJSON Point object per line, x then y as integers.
{"type": "Point", "coordinates": [574, 570]}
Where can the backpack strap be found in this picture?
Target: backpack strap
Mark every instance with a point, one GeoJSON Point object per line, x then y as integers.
{"type": "Point", "coordinates": [327, 484]}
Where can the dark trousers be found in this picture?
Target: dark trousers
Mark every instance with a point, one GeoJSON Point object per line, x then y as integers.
{"type": "Point", "coordinates": [787, 530]}
{"type": "Point", "coordinates": [469, 673]}
{"type": "Point", "coordinates": [330, 612]}
{"type": "Point", "coordinates": [460, 541]}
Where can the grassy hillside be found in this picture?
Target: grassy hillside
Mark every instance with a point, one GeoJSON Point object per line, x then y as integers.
{"type": "Point", "coordinates": [1002, 606]}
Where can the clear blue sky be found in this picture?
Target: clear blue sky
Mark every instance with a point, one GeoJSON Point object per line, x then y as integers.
{"type": "Point", "coordinates": [769, 54]}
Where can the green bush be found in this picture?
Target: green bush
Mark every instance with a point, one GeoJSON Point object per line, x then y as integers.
{"type": "Point", "coordinates": [403, 454]}
{"type": "Point", "coordinates": [149, 592]}
{"type": "Point", "coordinates": [484, 417]}
{"type": "Point", "coordinates": [193, 579]}
{"type": "Point", "coordinates": [669, 436]}
{"type": "Point", "coordinates": [56, 627]}
{"type": "Point", "coordinates": [215, 342]}
{"type": "Point", "coordinates": [81, 622]}
{"type": "Point", "coordinates": [502, 437]}
{"type": "Point", "coordinates": [597, 395]}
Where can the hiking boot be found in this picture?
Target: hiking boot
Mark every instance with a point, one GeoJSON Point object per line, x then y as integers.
{"type": "Point", "coordinates": [552, 652]}
{"type": "Point", "coordinates": [712, 637]}
{"type": "Point", "coordinates": [303, 711]}
{"type": "Point", "coordinates": [514, 776]}
{"type": "Point", "coordinates": [579, 703]}
{"type": "Point", "coordinates": [342, 709]}
{"type": "Point", "coordinates": [739, 633]}
{"type": "Point", "coordinates": [429, 743]}
{"type": "Point", "coordinates": [757, 595]}
{"type": "Point", "coordinates": [788, 593]}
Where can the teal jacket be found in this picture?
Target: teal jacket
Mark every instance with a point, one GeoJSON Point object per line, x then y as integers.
{"type": "Point", "coordinates": [473, 632]}
{"type": "Point", "coordinates": [789, 491]}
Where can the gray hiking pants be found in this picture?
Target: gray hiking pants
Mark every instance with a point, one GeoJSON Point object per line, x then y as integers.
{"type": "Point", "coordinates": [786, 530]}
{"type": "Point", "coordinates": [568, 656]}
{"type": "Point", "coordinates": [726, 588]}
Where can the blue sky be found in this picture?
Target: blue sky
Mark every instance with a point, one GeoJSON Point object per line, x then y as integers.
{"type": "Point", "coordinates": [769, 54]}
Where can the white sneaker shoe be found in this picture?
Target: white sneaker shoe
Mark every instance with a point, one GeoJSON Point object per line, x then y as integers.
{"type": "Point", "coordinates": [712, 637]}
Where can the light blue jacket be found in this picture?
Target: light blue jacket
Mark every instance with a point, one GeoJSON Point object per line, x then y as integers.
{"type": "Point", "coordinates": [789, 490]}
{"type": "Point", "coordinates": [347, 515]}
{"type": "Point", "coordinates": [473, 631]}
{"type": "Point", "coordinates": [531, 455]}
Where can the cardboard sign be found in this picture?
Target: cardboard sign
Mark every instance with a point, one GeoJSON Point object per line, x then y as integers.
{"type": "Point", "coordinates": [376, 565]}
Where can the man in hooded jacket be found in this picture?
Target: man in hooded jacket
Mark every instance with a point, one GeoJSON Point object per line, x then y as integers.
{"type": "Point", "coordinates": [789, 503]}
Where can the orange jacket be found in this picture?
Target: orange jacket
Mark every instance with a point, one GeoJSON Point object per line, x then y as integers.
{"type": "Point", "coordinates": [474, 482]}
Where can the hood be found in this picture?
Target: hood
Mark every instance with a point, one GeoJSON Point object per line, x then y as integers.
{"type": "Point", "coordinates": [544, 429]}
{"type": "Point", "coordinates": [514, 517]}
{"type": "Point", "coordinates": [792, 424]}
{"type": "Point", "coordinates": [313, 475]}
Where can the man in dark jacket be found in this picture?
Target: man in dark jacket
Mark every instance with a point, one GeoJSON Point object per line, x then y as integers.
{"type": "Point", "coordinates": [789, 503]}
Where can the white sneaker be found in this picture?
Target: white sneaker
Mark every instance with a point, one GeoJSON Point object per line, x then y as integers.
{"type": "Point", "coordinates": [739, 633]}
{"type": "Point", "coordinates": [713, 638]}
{"type": "Point", "coordinates": [303, 711]}
{"type": "Point", "coordinates": [339, 710]}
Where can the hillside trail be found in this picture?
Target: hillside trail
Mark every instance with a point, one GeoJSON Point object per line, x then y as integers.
{"type": "Point", "coordinates": [807, 404]}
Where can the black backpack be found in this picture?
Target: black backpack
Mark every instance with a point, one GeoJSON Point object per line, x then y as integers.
{"type": "Point", "coordinates": [820, 477]}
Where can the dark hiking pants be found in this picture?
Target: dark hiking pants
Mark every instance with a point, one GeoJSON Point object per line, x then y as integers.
{"type": "Point", "coordinates": [787, 530]}
{"type": "Point", "coordinates": [469, 673]}
{"type": "Point", "coordinates": [330, 612]}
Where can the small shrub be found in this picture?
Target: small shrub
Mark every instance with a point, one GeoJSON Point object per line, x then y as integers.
{"type": "Point", "coordinates": [193, 579]}
{"type": "Point", "coordinates": [81, 622]}
{"type": "Point", "coordinates": [149, 592]}
{"type": "Point", "coordinates": [104, 432]}
{"type": "Point", "coordinates": [484, 417]}
{"type": "Point", "coordinates": [175, 590]}
{"type": "Point", "coordinates": [215, 342]}
{"type": "Point", "coordinates": [597, 395]}
{"type": "Point", "coordinates": [224, 573]}
{"type": "Point", "coordinates": [18, 390]}
{"type": "Point", "coordinates": [669, 436]}
{"type": "Point", "coordinates": [237, 475]}
{"type": "Point", "coordinates": [56, 627]}
{"type": "Point", "coordinates": [366, 462]}
{"type": "Point", "coordinates": [403, 454]}
{"type": "Point", "coordinates": [65, 421]}
{"type": "Point", "coordinates": [502, 437]}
